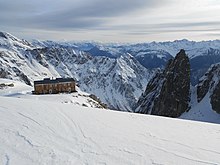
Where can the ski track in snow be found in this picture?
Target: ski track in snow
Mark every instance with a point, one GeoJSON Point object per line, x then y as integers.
{"type": "Point", "coordinates": [179, 155]}
{"type": "Point", "coordinates": [25, 139]}
{"type": "Point", "coordinates": [85, 138]}
{"type": "Point", "coordinates": [29, 118]}
{"type": "Point", "coordinates": [7, 159]}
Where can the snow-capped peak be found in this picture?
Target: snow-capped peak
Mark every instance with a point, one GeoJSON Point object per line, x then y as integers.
{"type": "Point", "coordinates": [8, 41]}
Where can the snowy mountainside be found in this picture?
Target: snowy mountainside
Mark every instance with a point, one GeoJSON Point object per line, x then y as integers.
{"type": "Point", "coordinates": [17, 63]}
{"type": "Point", "coordinates": [201, 111]}
{"type": "Point", "coordinates": [204, 104]}
{"type": "Point", "coordinates": [43, 132]}
{"type": "Point", "coordinates": [209, 81]}
{"type": "Point", "coordinates": [117, 82]}
{"type": "Point", "coordinates": [210, 85]}
{"type": "Point", "coordinates": [8, 41]}
{"type": "Point", "coordinates": [205, 97]}
{"type": "Point", "coordinates": [149, 58]}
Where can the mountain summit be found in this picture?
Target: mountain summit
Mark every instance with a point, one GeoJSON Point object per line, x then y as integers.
{"type": "Point", "coordinates": [167, 94]}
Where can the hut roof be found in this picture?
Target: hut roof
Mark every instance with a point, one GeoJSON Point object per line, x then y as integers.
{"type": "Point", "coordinates": [53, 81]}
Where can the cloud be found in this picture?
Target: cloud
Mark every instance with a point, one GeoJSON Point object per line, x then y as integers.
{"type": "Point", "coordinates": [122, 19]}
{"type": "Point", "coordinates": [139, 29]}
{"type": "Point", "coordinates": [67, 14]}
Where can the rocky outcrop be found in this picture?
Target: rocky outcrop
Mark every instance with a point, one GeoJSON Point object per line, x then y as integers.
{"type": "Point", "coordinates": [3, 73]}
{"type": "Point", "coordinates": [22, 76]}
{"type": "Point", "coordinates": [206, 82]}
{"type": "Point", "coordinates": [3, 35]}
{"type": "Point", "coordinates": [168, 93]}
{"type": "Point", "coordinates": [146, 101]}
{"type": "Point", "coordinates": [215, 98]}
{"type": "Point", "coordinates": [210, 84]}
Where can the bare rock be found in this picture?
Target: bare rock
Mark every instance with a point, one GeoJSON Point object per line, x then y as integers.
{"type": "Point", "coordinates": [168, 93]}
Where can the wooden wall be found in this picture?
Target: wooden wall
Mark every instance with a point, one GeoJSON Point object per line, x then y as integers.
{"type": "Point", "coordinates": [53, 88]}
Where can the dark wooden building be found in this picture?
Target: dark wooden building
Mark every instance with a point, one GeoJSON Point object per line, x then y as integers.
{"type": "Point", "coordinates": [52, 86]}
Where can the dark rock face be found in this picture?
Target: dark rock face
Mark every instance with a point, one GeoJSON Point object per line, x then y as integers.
{"type": "Point", "coordinates": [215, 101]}
{"type": "Point", "coordinates": [21, 75]}
{"type": "Point", "coordinates": [205, 83]}
{"type": "Point", "coordinates": [168, 93]}
{"type": "Point", "coordinates": [3, 35]}
{"type": "Point", "coordinates": [3, 73]}
{"type": "Point", "coordinates": [146, 101]}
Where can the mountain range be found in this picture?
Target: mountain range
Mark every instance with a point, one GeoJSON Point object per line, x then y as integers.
{"type": "Point", "coordinates": [117, 73]}
{"type": "Point", "coordinates": [116, 81]}
{"type": "Point", "coordinates": [155, 54]}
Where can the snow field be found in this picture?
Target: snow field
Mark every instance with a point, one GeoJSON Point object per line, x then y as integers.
{"type": "Point", "coordinates": [44, 132]}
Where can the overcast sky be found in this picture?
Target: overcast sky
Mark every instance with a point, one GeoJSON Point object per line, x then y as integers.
{"type": "Point", "coordinates": [111, 20]}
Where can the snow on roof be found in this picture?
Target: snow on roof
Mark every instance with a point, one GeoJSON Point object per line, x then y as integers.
{"type": "Point", "coordinates": [52, 81]}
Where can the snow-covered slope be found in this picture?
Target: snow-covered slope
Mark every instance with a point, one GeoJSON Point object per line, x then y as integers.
{"type": "Point", "coordinates": [205, 97]}
{"type": "Point", "coordinates": [11, 88]}
{"type": "Point", "coordinates": [201, 111]}
{"type": "Point", "coordinates": [37, 132]}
